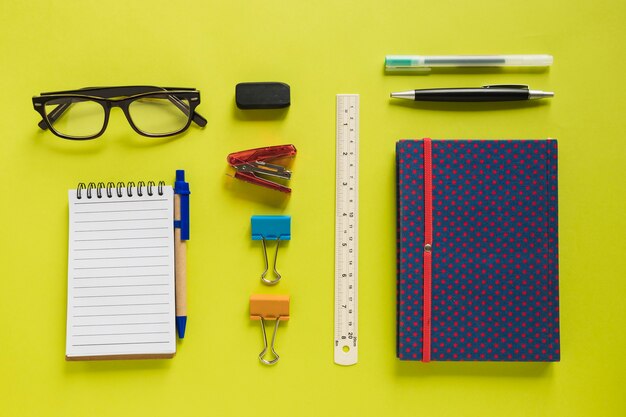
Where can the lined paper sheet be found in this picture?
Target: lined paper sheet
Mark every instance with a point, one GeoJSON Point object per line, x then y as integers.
{"type": "Point", "coordinates": [121, 294]}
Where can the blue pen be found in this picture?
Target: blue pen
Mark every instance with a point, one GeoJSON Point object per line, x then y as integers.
{"type": "Point", "coordinates": [181, 236]}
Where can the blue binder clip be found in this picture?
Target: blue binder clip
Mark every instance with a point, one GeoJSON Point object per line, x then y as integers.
{"type": "Point", "coordinates": [271, 228]}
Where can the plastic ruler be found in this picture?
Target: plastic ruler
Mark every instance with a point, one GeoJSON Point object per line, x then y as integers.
{"type": "Point", "coordinates": [346, 230]}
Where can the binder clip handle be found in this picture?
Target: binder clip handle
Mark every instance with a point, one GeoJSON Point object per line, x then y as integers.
{"type": "Point", "coordinates": [264, 351]}
{"type": "Point", "coordinates": [276, 273]}
{"type": "Point", "coordinates": [269, 307]}
{"type": "Point", "coordinates": [266, 228]}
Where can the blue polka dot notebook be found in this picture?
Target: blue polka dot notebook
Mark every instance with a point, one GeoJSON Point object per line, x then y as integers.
{"type": "Point", "coordinates": [477, 250]}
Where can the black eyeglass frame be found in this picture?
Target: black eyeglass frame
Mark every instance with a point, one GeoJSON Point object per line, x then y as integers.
{"type": "Point", "coordinates": [122, 97]}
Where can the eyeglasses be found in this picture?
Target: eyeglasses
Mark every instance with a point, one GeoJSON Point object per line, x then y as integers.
{"type": "Point", "coordinates": [151, 111]}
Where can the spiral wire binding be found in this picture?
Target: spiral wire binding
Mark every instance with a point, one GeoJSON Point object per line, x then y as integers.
{"type": "Point", "coordinates": [110, 186]}
{"type": "Point", "coordinates": [90, 187]}
{"type": "Point", "coordinates": [129, 188]}
{"type": "Point", "coordinates": [140, 185]}
{"type": "Point", "coordinates": [80, 187]}
{"type": "Point", "coordinates": [101, 186]}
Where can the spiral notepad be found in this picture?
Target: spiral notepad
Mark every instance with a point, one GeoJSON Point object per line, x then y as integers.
{"type": "Point", "coordinates": [121, 289]}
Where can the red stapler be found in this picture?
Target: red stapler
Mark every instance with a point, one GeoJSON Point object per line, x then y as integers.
{"type": "Point", "coordinates": [251, 163]}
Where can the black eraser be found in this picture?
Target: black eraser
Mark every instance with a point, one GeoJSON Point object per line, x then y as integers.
{"type": "Point", "coordinates": [264, 95]}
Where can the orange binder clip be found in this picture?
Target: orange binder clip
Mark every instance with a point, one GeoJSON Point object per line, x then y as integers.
{"type": "Point", "coordinates": [269, 307]}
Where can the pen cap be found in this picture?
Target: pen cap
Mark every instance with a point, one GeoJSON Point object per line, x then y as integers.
{"type": "Point", "coordinates": [528, 60]}
{"type": "Point", "coordinates": [181, 188]}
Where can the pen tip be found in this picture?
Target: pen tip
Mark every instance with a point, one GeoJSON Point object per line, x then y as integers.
{"type": "Point", "coordinates": [409, 95]}
{"type": "Point", "coordinates": [536, 94]}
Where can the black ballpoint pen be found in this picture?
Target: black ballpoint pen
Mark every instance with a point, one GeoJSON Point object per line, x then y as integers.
{"type": "Point", "coordinates": [486, 93]}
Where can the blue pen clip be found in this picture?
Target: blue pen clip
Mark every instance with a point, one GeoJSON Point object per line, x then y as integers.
{"type": "Point", "coordinates": [271, 228]}
{"type": "Point", "coordinates": [181, 187]}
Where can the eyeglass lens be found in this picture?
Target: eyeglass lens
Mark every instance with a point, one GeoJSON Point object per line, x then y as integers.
{"type": "Point", "coordinates": [159, 114]}
{"type": "Point", "coordinates": [81, 119]}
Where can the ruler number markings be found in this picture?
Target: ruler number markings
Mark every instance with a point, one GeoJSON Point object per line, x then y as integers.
{"type": "Point", "coordinates": [346, 237]}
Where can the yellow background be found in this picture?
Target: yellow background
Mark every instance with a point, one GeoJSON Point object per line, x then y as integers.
{"type": "Point", "coordinates": [320, 48]}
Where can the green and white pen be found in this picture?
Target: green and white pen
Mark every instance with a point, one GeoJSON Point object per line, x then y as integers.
{"type": "Point", "coordinates": [423, 63]}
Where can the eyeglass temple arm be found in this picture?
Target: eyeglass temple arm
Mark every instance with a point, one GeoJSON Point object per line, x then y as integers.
{"type": "Point", "coordinates": [61, 108]}
{"type": "Point", "coordinates": [54, 115]}
{"type": "Point", "coordinates": [197, 119]}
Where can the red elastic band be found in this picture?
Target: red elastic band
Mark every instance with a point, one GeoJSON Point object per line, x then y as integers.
{"type": "Point", "coordinates": [428, 242]}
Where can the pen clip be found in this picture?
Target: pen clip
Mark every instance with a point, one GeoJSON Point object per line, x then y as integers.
{"type": "Point", "coordinates": [181, 187]}
{"type": "Point", "coordinates": [520, 86]}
